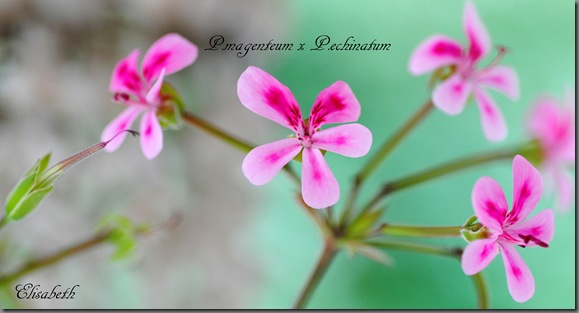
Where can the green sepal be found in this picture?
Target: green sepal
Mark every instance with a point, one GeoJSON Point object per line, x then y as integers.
{"type": "Point", "coordinates": [28, 203]}
{"type": "Point", "coordinates": [20, 199]}
{"type": "Point", "coordinates": [365, 223]}
{"type": "Point", "coordinates": [122, 234]}
{"type": "Point", "coordinates": [298, 158]}
{"type": "Point", "coordinates": [169, 113]}
{"type": "Point", "coordinates": [472, 231]}
{"type": "Point", "coordinates": [533, 152]}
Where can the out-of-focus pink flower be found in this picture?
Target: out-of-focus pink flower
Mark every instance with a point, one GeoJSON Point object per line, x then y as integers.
{"type": "Point", "coordinates": [509, 229]}
{"type": "Point", "coordinates": [139, 89]}
{"type": "Point", "coordinates": [266, 96]}
{"type": "Point", "coordinates": [451, 95]}
{"type": "Point", "coordinates": [553, 126]}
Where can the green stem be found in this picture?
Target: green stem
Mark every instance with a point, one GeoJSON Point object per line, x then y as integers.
{"type": "Point", "coordinates": [3, 222]}
{"type": "Point", "coordinates": [35, 265]}
{"type": "Point", "coordinates": [381, 155]}
{"type": "Point", "coordinates": [417, 247]}
{"type": "Point", "coordinates": [481, 290]}
{"type": "Point", "coordinates": [242, 145]}
{"type": "Point", "coordinates": [325, 260]}
{"type": "Point", "coordinates": [194, 120]}
{"type": "Point", "coordinates": [392, 142]}
{"type": "Point", "coordinates": [419, 231]}
{"type": "Point", "coordinates": [438, 171]}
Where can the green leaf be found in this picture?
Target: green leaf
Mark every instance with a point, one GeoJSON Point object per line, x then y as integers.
{"type": "Point", "coordinates": [28, 203]}
{"type": "Point", "coordinates": [125, 248]}
{"type": "Point", "coordinates": [122, 234]}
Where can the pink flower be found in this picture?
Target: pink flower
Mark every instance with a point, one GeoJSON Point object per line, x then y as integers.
{"type": "Point", "coordinates": [509, 229]}
{"type": "Point", "coordinates": [140, 90]}
{"type": "Point", "coordinates": [553, 126]}
{"type": "Point", "coordinates": [451, 95]}
{"type": "Point", "coordinates": [264, 95]}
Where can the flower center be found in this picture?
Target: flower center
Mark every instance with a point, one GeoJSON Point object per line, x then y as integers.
{"type": "Point", "coordinates": [305, 141]}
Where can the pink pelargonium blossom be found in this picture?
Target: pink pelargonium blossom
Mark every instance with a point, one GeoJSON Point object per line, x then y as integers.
{"type": "Point", "coordinates": [140, 90]}
{"type": "Point", "coordinates": [553, 126]}
{"type": "Point", "coordinates": [509, 229]}
{"type": "Point", "coordinates": [451, 95]}
{"type": "Point", "coordinates": [263, 94]}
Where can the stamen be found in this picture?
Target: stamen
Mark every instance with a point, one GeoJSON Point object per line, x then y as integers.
{"type": "Point", "coordinates": [502, 50]}
{"type": "Point", "coordinates": [121, 97]}
{"type": "Point", "coordinates": [532, 238]}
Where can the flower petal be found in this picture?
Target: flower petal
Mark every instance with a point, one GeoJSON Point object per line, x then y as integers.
{"type": "Point", "coordinates": [540, 227]}
{"type": "Point", "coordinates": [565, 187]}
{"type": "Point", "coordinates": [122, 122]}
{"type": "Point", "coordinates": [489, 203]}
{"type": "Point", "coordinates": [527, 189]}
{"type": "Point", "coordinates": [320, 188]}
{"type": "Point", "coordinates": [151, 135]}
{"type": "Point", "coordinates": [335, 104]}
{"type": "Point", "coordinates": [153, 94]}
{"type": "Point", "coordinates": [263, 162]}
{"type": "Point", "coordinates": [478, 255]}
{"type": "Point", "coordinates": [434, 52]}
{"type": "Point", "coordinates": [351, 140]}
{"type": "Point", "coordinates": [171, 52]}
{"type": "Point", "coordinates": [125, 77]}
{"type": "Point", "coordinates": [266, 96]}
{"type": "Point", "coordinates": [451, 95]}
{"type": "Point", "coordinates": [476, 32]}
{"type": "Point", "coordinates": [519, 278]}
{"type": "Point", "coordinates": [554, 126]}
{"type": "Point", "coordinates": [501, 78]}
{"type": "Point", "coordinates": [492, 120]}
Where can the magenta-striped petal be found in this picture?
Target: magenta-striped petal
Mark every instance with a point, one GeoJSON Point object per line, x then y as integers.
{"type": "Point", "coordinates": [492, 120]}
{"type": "Point", "coordinates": [125, 77]}
{"type": "Point", "coordinates": [122, 122]}
{"type": "Point", "coordinates": [351, 140]}
{"type": "Point", "coordinates": [451, 95]}
{"type": "Point", "coordinates": [171, 52]}
{"type": "Point", "coordinates": [151, 135]}
{"type": "Point", "coordinates": [434, 52]}
{"type": "Point", "coordinates": [320, 188]}
{"type": "Point", "coordinates": [489, 203]}
{"type": "Point", "coordinates": [501, 78]}
{"type": "Point", "coordinates": [478, 37]}
{"type": "Point", "coordinates": [478, 255]}
{"type": "Point", "coordinates": [266, 96]}
{"type": "Point", "coordinates": [519, 278]}
{"type": "Point", "coordinates": [335, 104]}
{"type": "Point", "coordinates": [262, 163]}
{"type": "Point", "coordinates": [536, 231]}
{"type": "Point", "coordinates": [527, 189]}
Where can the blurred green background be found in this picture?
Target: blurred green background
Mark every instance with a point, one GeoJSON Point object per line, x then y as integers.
{"type": "Point", "coordinates": [241, 246]}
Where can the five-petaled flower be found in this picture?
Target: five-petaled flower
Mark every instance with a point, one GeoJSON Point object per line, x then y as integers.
{"type": "Point", "coordinates": [266, 96]}
{"type": "Point", "coordinates": [507, 229]}
{"type": "Point", "coordinates": [140, 90]}
{"type": "Point", "coordinates": [553, 126]}
{"type": "Point", "coordinates": [451, 95]}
